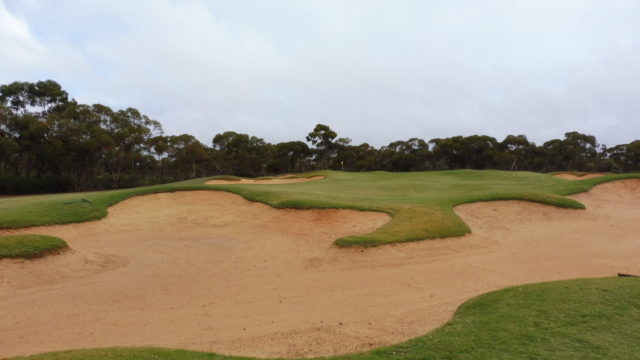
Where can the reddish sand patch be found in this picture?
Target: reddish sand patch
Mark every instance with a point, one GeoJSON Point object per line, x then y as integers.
{"type": "Point", "coordinates": [567, 176]}
{"type": "Point", "coordinates": [211, 271]}
{"type": "Point", "coordinates": [280, 180]}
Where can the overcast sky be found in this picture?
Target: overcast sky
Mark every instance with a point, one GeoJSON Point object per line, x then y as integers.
{"type": "Point", "coordinates": [375, 71]}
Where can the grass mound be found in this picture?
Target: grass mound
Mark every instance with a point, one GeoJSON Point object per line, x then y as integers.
{"type": "Point", "coordinates": [576, 319]}
{"type": "Point", "coordinates": [29, 246]}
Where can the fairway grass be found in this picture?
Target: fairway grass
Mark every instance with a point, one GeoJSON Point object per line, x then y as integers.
{"type": "Point", "coordinates": [420, 203]}
{"type": "Point", "coordinates": [29, 246]}
{"type": "Point", "coordinates": [565, 320]}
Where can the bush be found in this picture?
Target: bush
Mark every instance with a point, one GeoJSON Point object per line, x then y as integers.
{"type": "Point", "coordinates": [15, 185]}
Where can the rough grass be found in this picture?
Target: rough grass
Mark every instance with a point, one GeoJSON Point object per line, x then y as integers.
{"type": "Point", "coordinates": [566, 320]}
{"type": "Point", "coordinates": [29, 246]}
{"type": "Point", "coordinates": [420, 203]}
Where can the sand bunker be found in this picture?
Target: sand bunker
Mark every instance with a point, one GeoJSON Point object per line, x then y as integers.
{"type": "Point", "coordinates": [281, 180]}
{"type": "Point", "coordinates": [567, 176]}
{"type": "Point", "coordinates": [211, 271]}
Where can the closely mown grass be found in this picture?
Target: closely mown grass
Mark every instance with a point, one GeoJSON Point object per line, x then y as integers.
{"type": "Point", "coordinates": [29, 246]}
{"type": "Point", "coordinates": [566, 320]}
{"type": "Point", "coordinates": [420, 203]}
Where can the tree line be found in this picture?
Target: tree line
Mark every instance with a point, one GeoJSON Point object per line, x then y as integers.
{"type": "Point", "coordinates": [51, 143]}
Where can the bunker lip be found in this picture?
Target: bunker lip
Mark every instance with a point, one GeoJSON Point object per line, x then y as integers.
{"type": "Point", "coordinates": [573, 177]}
{"type": "Point", "coordinates": [242, 278]}
{"type": "Point", "coordinates": [273, 181]}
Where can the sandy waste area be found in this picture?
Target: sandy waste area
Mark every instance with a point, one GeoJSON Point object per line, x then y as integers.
{"type": "Point", "coordinates": [211, 271]}
{"type": "Point", "coordinates": [567, 176]}
{"type": "Point", "coordinates": [273, 181]}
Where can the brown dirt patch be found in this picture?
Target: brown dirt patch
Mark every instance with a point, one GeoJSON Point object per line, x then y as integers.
{"type": "Point", "coordinates": [572, 177]}
{"type": "Point", "coordinates": [211, 271]}
{"type": "Point", "coordinates": [280, 180]}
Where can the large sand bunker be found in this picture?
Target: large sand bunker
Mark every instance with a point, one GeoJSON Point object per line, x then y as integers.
{"type": "Point", "coordinates": [273, 181]}
{"type": "Point", "coordinates": [211, 271]}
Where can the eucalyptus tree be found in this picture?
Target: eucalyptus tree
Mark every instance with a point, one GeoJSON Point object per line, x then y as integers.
{"type": "Point", "coordinates": [460, 152]}
{"type": "Point", "coordinates": [130, 132]}
{"type": "Point", "coordinates": [577, 152]}
{"type": "Point", "coordinates": [241, 154]}
{"type": "Point", "coordinates": [77, 145]}
{"type": "Point", "coordinates": [625, 157]}
{"type": "Point", "coordinates": [325, 149]}
{"type": "Point", "coordinates": [188, 156]}
{"type": "Point", "coordinates": [39, 99]}
{"type": "Point", "coordinates": [46, 138]}
{"type": "Point", "coordinates": [409, 155]}
{"type": "Point", "coordinates": [289, 157]}
{"type": "Point", "coordinates": [514, 152]}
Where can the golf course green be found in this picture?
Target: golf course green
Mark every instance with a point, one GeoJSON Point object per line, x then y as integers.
{"type": "Point", "coordinates": [420, 203]}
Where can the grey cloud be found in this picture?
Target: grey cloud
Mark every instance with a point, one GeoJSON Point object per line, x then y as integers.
{"type": "Point", "coordinates": [375, 71]}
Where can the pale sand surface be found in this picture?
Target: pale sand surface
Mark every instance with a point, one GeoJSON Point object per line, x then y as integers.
{"type": "Point", "coordinates": [212, 271]}
{"type": "Point", "coordinates": [277, 180]}
{"type": "Point", "coordinates": [567, 176]}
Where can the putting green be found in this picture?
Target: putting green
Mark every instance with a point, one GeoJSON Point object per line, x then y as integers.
{"type": "Point", "coordinates": [420, 203]}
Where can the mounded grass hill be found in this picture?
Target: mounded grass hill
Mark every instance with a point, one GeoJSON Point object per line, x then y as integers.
{"type": "Point", "coordinates": [420, 203]}
{"type": "Point", "coordinates": [566, 320]}
{"type": "Point", "coordinates": [29, 246]}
